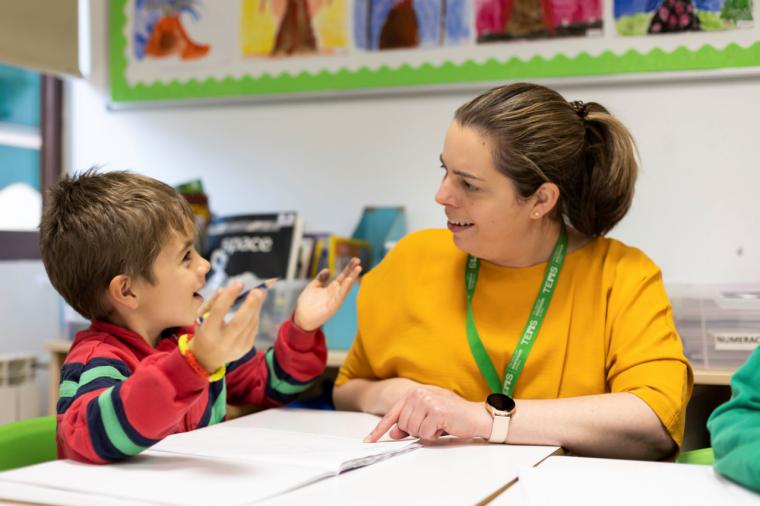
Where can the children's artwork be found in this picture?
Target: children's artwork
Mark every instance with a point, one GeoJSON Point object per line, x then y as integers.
{"type": "Point", "coordinates": [159, 32]}
{"type": "Point", "coordinates": [409, 24]}
{"type": "Point", "coordinates": [652, 17]}
{"type": "Point", "coordinates": [281, 28]}
{"type": "Point", "coordinates": [503, 20]}
{"type": "Point", "coordinates": [221, 49]}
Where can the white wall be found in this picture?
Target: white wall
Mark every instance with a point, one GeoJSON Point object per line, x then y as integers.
{"type": "Point", "coordinates": [694, 213]}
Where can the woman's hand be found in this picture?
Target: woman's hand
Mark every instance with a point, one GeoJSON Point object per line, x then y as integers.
{"type": "Point", "coordinates": [319, 301]}
{"type": "Point", "coordinates": [429, 412]}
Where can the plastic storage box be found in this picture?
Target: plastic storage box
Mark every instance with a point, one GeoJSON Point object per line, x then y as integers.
{"type": "Point", "coordinates": [719, 324]}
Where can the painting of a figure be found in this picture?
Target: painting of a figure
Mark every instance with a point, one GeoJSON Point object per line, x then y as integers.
{"type": "Point", "coordinates": [285, 28]}
{"type": "Point", "coordinates": [407, 24]}
{"type": "Point", "coordinates": [159, 29]}
{"type": "Point", "coordinates": [503, 20]}
{"type": "Point", "coordinates": [651, 17]}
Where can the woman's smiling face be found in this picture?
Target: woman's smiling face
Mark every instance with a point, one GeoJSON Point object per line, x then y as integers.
{"type": "Point", "coordinates": [483, 209]}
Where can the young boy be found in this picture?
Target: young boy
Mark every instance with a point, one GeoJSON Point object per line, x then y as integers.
{"type": "Point", "coordinates": [118, 247]}
{"type": "Point", "coordinates": [735, 427]}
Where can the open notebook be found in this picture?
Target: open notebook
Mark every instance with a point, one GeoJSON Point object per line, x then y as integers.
{"type": "Point", "coordinates": [236, 462]}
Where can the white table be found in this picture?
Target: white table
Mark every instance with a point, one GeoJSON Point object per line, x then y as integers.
{"type": "Point", "coordinates": [452, 472]}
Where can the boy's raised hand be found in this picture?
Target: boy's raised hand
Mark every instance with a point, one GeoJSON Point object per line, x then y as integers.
{"type": "Point", "coordinates": [320, 300]}
{"type": "Point", "coordinates": [217, 342]}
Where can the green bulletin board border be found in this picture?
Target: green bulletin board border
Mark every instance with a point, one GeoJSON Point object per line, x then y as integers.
{"type": "Point", "coordinates": [406, 76]}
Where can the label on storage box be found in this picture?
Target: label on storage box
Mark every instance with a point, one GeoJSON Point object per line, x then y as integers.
{"type": "Point", "coordinates": [736, 340]}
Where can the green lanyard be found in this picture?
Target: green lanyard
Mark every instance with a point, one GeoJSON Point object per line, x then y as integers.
{"type": "Point", "coordinates": [529, 333]}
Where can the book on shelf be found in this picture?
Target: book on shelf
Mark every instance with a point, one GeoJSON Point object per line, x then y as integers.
{"type": "Point", "coordinates": [233, 463]}
{"type": "Point", "coordinates": [306, 253]}
{"type": "Point", "coordinates": [252, 247]}
{"type": "Point", "coordinates": [334, 252]}
{"type": "Point", "coordinates": [193, 192]}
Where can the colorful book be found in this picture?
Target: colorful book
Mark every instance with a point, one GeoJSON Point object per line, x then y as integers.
{"type": "Point", "coordinates": [334, 252]}
{"type": "Point", "coordinates": [193, 192]}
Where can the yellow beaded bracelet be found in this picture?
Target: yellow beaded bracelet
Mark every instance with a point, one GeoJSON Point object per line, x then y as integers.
{"type": "Point", "coordinates": [184, 350]}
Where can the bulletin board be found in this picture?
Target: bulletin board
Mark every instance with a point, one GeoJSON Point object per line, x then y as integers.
{"type": "Point", "coordinates": [215, 49]}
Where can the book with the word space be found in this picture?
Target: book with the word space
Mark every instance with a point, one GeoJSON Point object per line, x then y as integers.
{"type": "Point", "coordinates": [252, 247]}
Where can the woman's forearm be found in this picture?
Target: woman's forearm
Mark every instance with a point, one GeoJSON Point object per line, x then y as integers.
{"type": "Point", "coordinates": [371, 396]}
{"type": "Point", "coordinates": [610, 425]}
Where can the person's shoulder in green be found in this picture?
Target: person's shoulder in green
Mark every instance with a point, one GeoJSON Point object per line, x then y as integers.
{"type": "Point", "coordinates": [735, 427]}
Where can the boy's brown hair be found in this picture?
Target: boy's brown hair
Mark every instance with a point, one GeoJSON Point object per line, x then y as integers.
{"type": "Point", "coordinates": [98, 225]}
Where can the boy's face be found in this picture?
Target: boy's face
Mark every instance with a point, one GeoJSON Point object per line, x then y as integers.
{"type": "Point", "coordinates": [172, 300]}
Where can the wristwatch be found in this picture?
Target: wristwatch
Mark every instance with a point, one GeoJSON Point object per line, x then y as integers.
{"type": "Point", "coordinates": [501, 407]}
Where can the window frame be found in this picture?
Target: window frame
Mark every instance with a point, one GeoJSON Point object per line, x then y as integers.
{"type": "Point", "coordinates": [25, 245]}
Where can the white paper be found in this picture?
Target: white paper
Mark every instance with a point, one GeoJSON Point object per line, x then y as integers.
{"type": "Point", "coordinates": [42, 495]}
{"type": "Point", "coordinates": [348, 424]}
{"type": "Point", "coordinates": [232, 463]}
{"type": "Point", "coordinates": [591, 482]}
{"type": "Point", "coordinates": [163, 478]}
{"type": "Point", "coordinates": [326, 453]}
{"type": "Point", "coordinates": [295, 440]}
{"type": "Point", "coordinates": [452, 471]}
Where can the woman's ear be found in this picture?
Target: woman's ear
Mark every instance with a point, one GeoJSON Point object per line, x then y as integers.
{"type": "Point", "coordinates": [545, 199]}
{"type": "Point", "coordinates": [121, 294]}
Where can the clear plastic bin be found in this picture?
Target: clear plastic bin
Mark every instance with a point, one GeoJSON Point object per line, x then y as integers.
{"type": "Point", "coordinates": [719, 324]}
{"type": "Point", "coordinates": [278, 306]}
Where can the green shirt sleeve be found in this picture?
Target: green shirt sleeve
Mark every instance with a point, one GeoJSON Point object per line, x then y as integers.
{"type": "Point", "coordinates": [735, 427]}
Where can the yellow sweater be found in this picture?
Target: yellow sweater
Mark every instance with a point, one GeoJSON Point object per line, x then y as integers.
{"type": "Point", "coordinates": [609, 327]}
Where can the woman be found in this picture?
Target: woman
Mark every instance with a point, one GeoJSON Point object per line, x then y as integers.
{"type": "Point", "coordinates": [567, 335]}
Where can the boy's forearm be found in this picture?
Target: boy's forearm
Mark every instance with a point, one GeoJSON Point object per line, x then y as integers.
{"type": "Point", "coordinates": [278, 375]}
{"type": "Point", "coordinates": [123, 418]}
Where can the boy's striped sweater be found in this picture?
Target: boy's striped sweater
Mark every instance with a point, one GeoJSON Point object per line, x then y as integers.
{"type": "Point", "coordinates": [118, 395]}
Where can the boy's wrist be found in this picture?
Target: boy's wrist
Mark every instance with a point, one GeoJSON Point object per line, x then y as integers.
{"type": "Point", "coordinates": [298, 322]}
{"type": "Point", "coordinates": [186, 350]}
{"type": "Point", "coordinates": [191, 352]}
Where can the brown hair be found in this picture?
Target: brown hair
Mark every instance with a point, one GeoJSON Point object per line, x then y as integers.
{"type": "Point", "coordinates": [539, 137]}
{"type": "Point", "coordinates": [96, 226]}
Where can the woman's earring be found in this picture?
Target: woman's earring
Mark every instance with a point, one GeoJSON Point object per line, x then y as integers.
{"type": "Point", "coordinates": [535, 214]}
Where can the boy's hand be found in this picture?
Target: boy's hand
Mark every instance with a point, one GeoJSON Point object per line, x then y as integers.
{"type": "Point", "coordinates": [215, 342]}
{"type": "Point", "coordinates": [319, 301]}
{"type": "Point", "coordinates": [208, 304]}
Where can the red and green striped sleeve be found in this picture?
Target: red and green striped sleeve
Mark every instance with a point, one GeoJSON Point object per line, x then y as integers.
{"type": "Point", "coordinates": [276, 376]}
{"type": "Point", "coordinates": [109, 410]}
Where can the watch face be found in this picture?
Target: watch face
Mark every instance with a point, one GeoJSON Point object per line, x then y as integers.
{"type": "Point", "coordinates": [501, 402]}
